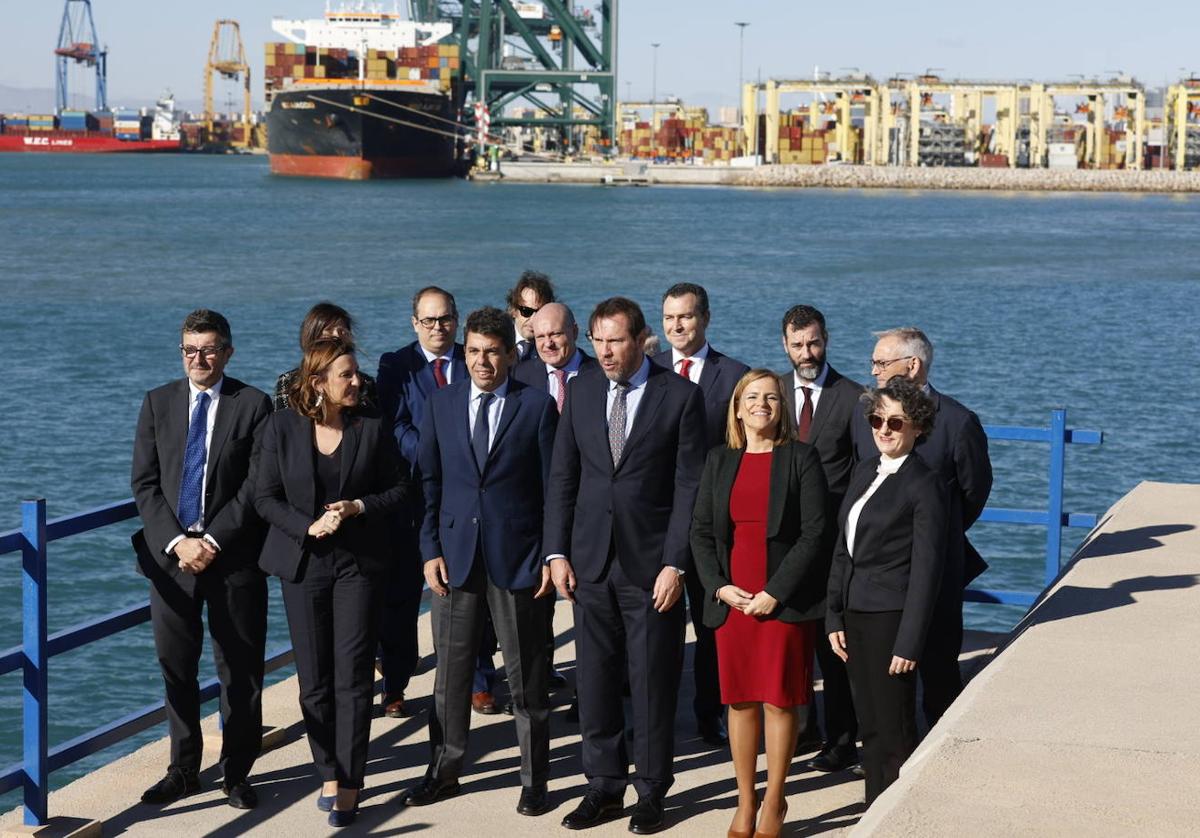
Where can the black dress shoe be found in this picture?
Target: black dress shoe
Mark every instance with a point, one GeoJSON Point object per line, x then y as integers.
{"type": "Point", "coordinates": [858, 771]}
{"type": "Point", "coordinates": [241, 795]}
{"type": "Point", "coordinates": [178, 783]}
{"type": "Point", "coordinates": [556, 680]}
{"type": "Point", "coordinates": [832, 759]}
{"type": "Point", "coordinates": [507, 709]}
{"type": "Point", "coordinates": [595, 808]}
{"type": "Point", "coordinates": [534, 801]}
{"type": "Point", "coordinates": [712, 731]}
{"type": "Point", "coordinates": [429, 791]}
{"type": "Point", "coordinates": [647, 817]}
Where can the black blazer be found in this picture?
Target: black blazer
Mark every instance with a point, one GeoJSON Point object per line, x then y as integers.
{"type": "Point", "coordinates": [797, 566]}
{"type": "Point", "coordinates": [285, 491]}
{"type": "Point", "coordinates": [405, 380]}
{"type": "Point", "coordinates": [830, 432]}
{"type": "Point", "coordinates": [718, 377]}
{"type": "Point", "coordinates": [899, 550]}
{"type": "Point", "coordinates": [532, 370]}
{"type": "Point", "coordinates": [643, 506]}
{"type": "Point", "coordinates": [158, 450]}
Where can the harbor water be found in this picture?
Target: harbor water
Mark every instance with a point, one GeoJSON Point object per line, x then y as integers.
{"type": "Point", "coordinates": [1032, 302]}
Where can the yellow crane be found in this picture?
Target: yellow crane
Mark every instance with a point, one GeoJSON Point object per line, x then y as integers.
{"type": "Point", "coordinates": [227, 57]}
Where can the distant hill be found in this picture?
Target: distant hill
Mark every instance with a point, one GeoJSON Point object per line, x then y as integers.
{"type": "Point", "coordinates": [41, 100]}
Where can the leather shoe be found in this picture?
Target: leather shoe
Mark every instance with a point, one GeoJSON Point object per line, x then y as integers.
{"type": "Point", "coordinates": [483, 703]}
{"type": "Point", "coordinates": [647, 816]}
{"type": "Point", "coordinates": [534, 801]}
{"type": "Point", "coordinates": [393, 706]}
{"type": "Point", "coordinates": [429, 791]}
{"type": "Point", "coordinates": [712, 731]}
{"type": "Point", "coordinates": [831, 759]}
{"type": "Point", "coordinates": [595, 808]}
{"type": "Point", "coordinates": [858, 771]}
{"type": "Point", "coordinates": [241, 795]}
{"type": "Point", "coordinates": [555, 680]}
{"type": "Point", "coordinates": [508, 708]}
{"type": "Point", "coordinates": [178, 783]}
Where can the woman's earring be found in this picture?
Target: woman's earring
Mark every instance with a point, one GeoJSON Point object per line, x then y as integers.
{"type": "Point", "coordinates": [320, 399]}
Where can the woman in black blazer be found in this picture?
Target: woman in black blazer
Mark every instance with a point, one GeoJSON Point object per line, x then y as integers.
{"type": "Point", "coordinates": [756, 543]}
{"type": "Point", "coordinates": [328, 484]}
{"type": "Point", "coordinates": [887, 568]}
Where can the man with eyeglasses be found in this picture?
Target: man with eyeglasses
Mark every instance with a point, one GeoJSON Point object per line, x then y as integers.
{"type": "Point", "coordinates": [405, 380]}
{"type": "Point", "coordinates": [957, 449]}
{"type": "Point", "coordinates": [198, 547]}
{"type": "Point", "coordinates": [823, 403]}
{"type": "Point", "coordinates": [532, 291]}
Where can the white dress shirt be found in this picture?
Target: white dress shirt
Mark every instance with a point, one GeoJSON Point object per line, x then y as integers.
{"type": "Point", "coordinates": [495, 407]}
{"type": "Point", "coordinates": [697, 360]}
{"type": "Point", "coordinates": [637, 386]}
{"type": "Point", "coordinates": [571, 368]}
{"type": "Point", "coordinates": [214, 399]}
{"type": "Point", "coordinates": [446, 370]}
{"type": "Point", "coordinates": [816, 386]}
{"type": "Point", "coordinates": [887, 467]}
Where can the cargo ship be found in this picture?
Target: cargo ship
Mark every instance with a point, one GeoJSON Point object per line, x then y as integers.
{"type": "Point", "coordinates": [361, 93]}
{"type": "Point", "coordinates": [107, 132]}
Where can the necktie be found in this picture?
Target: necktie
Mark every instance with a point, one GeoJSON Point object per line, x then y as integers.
{"type": "Point", "coordinates": [616, 424]}
{"type": "Point", "coordinates": [685, 368]}
{"type": "Point", "coordinates": [439, 372]}
{"type": "Point", "coordinates": [806, 413]}
{"type": "Point", "coordinates": [561, 398]}
{"type": "Point", "coordinates": [479, 435]}
{"type": "Point", "coordinates": [191, 483]}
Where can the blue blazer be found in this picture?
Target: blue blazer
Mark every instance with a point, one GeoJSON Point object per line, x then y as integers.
{"type": "Point", "coordinates": [496, 513]}
{"type": "Point", "coordinates": [717, 381]}
{"type": "Point", "coordinates": [405, 381]}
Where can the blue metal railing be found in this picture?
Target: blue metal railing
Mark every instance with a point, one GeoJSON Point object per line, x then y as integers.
{"type": "Point", "coordinates": [33, 656]}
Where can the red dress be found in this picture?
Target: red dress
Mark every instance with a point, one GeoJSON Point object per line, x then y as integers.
{"type": "Point", "coordinates": [759, 659]}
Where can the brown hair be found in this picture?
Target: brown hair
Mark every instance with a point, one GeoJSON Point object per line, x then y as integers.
{"type": "Point", "coordinates": [321, 317]}
{"type": "Point", "coordinates": [913, 400]}
{"type": "Point", "coordinates": [534, 281]}
{"type": "Point", "coordinates": [610, 308]}
{"type": "Point", "coordinates": [735, 434]}
{"type": "Point", "coordinates": [318, 358]}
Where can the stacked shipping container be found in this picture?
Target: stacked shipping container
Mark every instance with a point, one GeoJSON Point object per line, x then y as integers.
{"type": "Point", "coordinates": [287, 63]}
{"type": "Point", "coordinates": [687, 138]}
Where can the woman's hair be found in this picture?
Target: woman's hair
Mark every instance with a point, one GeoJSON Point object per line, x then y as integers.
{"type": "Point", "coordinates": [318, 358]}
{"type": "Point", "coordinates": [319, 318]}
{"type": "Point", "coordinates": [735, 434]}
{"type": "Point", "coordinates": [917, 406]}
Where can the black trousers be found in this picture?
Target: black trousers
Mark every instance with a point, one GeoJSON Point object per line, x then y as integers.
{"type": "Point", "coordinates": [941, 679]}
{"type": "Point", "coordinates": [331, 613]}
{"type": "Point", "coordinates": [398, 615]}
{"type": "Point", "coordinates": [237, 624]}
{"type": "Point", "coordinates": [707, 701]}
{"type": "Point", "coordinates": [615, 620]}
{"type": "Point", "coordinates": [841, 724]}
{"type": "Point", "coordinates": [887, 704]}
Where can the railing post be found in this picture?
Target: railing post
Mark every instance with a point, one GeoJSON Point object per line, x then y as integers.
{"type": "Point", "coordinates": [34, 633]}
{"type": "Point", "coordinates": [1054, 512]}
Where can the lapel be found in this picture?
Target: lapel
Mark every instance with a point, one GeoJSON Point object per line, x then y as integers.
{"type": "Point", "coordinates": [727, 470]}
{"type": "Point", "coordinates": [351, 435]}
{"type": "Point", "coordinates": [460, 406]}
{"type": "Point", "coordinates": [777, 491]}
{"type": "Point", "coordinates": [587, 398]}
{"type": "Point", "coordinates": [423, 377]}
{"type": "Point", "coordinates": [710, 371]}
{"type": "Point", "coordinates": [830, 394]}
{"type": "Point", "coordinates": [656, 391]}
{"type": "Point", "coordinates": [859, 481]}
{"type": "Point", "coordinates": [178, 417]}
{"type": "Point", "coordinates": [512, 405]}
{"type": "Point", "coordinates": [223, 424]}
{"type": "Point", "coordinates": [458, 364]}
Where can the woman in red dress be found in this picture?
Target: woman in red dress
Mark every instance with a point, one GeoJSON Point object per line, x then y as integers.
{"type": "Point", "coordinates": [756, 540]}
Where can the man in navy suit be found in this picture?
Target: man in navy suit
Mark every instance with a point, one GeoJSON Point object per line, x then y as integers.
{"type": "Point", "coordinates": [956, 449]}
{"type": "Point", "coordinates": [485, 453]}
{"type": "Point", "coordinates": [626, 469]}
{"type": "Point", "coordinates": [405, 380]}
{"type": "Point", "coordinates": [685, 319]}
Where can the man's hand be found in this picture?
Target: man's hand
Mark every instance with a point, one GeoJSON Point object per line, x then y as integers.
{"type": "Point", "coordinates": [668, 588]}
{"type": "Point", "coordinates": [436, 576]}
{"type": "Point", "coordinates": [326, 525]}
{"type": "Point", "coordinates": [761, 605]}
{"type": "Point", "coordinates": [343, 509]}
{"type": "Point", "coordinates": [564, 578]}
{"type": "Point", "coordinates": [734, 597]}
{"type": "Point", "coordinates": [194, 554]}
{"type": "Point", "coordinates": [837, 641]}
{"type": "Point", "coordinates": [900, 665]}
{"type": "Point", "coordinates": [547, 586]}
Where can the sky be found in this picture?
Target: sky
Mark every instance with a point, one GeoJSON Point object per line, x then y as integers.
{"type": "Point", "coordinates": [156, 45]}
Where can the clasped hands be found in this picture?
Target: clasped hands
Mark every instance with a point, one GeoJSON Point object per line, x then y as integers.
{"type": "Point", "coordinates": [898, 666]}
{"type": "Point", "coordinates": [760, 604]}
{"type": "Point", "coordinates": [331, 519]}
{"type": "Point", "coordinates": [195, 554]}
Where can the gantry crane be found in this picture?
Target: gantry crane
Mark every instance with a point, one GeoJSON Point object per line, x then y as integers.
{"type": "Point", "coordinates": [227, 56]}
{"type": "Point", "coordinates": [78, 44]}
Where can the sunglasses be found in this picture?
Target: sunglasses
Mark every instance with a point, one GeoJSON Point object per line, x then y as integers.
{"type": "Point", "coordinates": [894, 423]}
{"type": "Point", "coordinates": [526, 311]}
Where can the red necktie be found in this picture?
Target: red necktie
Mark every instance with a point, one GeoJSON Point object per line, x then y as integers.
{"type": "Point", "coordinates": [561, 398]}
{"type": "Point", "coordinates": [685, 367]}
{"type": "Point", "coordinates": [806, 412]}
{"type": "Point", "coordinates": [439, 372]}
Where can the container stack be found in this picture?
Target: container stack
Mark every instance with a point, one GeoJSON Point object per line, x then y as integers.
{"type": "Point", "coordinates": [287, 63]}
{"type": "Point", "coordinates": [16, 122]}
{"type": "Point", "coordinates": [800, 144]}
{"type": "Point", "coordinates": [41, 122]}
{"type": "Point", "coordinates": [688, 138]}
{"type": "Point", "coordinates": [78, 121]}
{"type": "Point", "coordinates": [127, 123]}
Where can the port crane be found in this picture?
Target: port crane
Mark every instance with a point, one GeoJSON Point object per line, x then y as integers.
{"type": "Point", "coordinates": [78, 44]}
{"type": "Point", "coordinates": [227, 58]}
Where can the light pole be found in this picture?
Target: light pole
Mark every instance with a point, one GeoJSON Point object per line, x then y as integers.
{"type": "Point", "coordinates": [654, 90]}
{"type": "Point", "coordinates": [741, 25]}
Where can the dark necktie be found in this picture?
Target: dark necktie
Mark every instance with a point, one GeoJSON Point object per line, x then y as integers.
{"type": "Point", "coordinates": [561, 398]}
{"type": "Point", "coordinates": [685, 368]}
{"type": "Point", "coordinates": [191, 483]}
{"type": "Point", "coordinates": [439, 372]}
{"type": "Point", "coordinates": [479, 435]}
{"type": "Point", "coordinates": [806, 413]}
{"type": "Point", "coordinates": [616, 424]}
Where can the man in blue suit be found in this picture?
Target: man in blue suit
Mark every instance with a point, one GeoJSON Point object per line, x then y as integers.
{"type": "Point", "coordinates": [405, 380]}
{"type": "Point", "coordinates": [484, 460]}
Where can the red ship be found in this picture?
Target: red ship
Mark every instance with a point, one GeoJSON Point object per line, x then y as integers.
{"type": "Point", "coordinates": [81, 142]}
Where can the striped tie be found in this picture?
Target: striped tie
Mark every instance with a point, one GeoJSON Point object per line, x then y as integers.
{"type": "Point", "coordinates": [561, 397]}
{"type": "Point", "coordinates": [616, 424]}
{"type": "Point", "coordinates": [191, 482]}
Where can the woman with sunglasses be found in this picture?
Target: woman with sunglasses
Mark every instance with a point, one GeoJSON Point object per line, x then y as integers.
{"type": "Point", "coordinates": [887, 568]}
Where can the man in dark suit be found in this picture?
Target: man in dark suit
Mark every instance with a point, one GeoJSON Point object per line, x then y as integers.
{"type": "Point", "coordinates": [957, 450]}
{"type": "Point", "coordinates": [627, 461]}
{"type": "Point", "coordinates": [824, 403]}
{"type": "Point", "coordinates": [485, 456]}
{"type": "Point", "coordinates": [406, 378]}
{"type": "Point", "coordinates": [532, 291]}
{"type": "Point", "coordinates": [685, 319]}
{"type": "Point", "coordinates": [198, 546]}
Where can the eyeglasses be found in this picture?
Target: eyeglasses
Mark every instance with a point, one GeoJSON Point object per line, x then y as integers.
{"type": "Point", "coordinates": [445, 321]}
{"type": "Point", "coordinates": [526, 311]}
{"type": "Point", "coordinates": [895, 424]}
{"type": "Point", "coordinates": [878, 365]}
{"type": "Point", "coordinates": [202, 351]}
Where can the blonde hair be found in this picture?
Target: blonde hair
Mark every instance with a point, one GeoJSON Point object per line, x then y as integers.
{"type": "Point", "coordinates": [735, 434]}
{"type": "Point", "coordinates": [318, 358]}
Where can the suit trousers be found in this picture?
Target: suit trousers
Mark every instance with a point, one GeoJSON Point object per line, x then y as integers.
{"type": "Point", "coordinates": [331, 611]}
{"type": "Point", "coordinates": [458, 622]}
{"type": "Point", "coordinates": [237, 624]}
{"type": "Point", "coordinates": [941, 678]}
{"type": "Point", "coordinates": [615, 620]}
{"type": "Point", "coordinates": [887, 704]}
{"type": "Point", "coordinates": [707, 701]}
{"type": "Point", "coordinates": [398, 615]}
{"type": "Point", "coordinates": [841, 725]}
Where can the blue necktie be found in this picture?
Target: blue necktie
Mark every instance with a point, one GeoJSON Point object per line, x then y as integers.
{"type": "Point", "coordinates": [479, 435]}
{"type": "Point", "coordinates": [191, 484]}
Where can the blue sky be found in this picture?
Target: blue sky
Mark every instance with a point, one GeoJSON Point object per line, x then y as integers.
{"type": "Point", "coordinates": [152, 49]}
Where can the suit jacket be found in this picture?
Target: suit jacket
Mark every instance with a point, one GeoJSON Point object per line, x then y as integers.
{"type": "Point", "coordinates": [797, 564]}
{"type": "Point", "coordinates": [956, 449]}
{"type": "Point", "coordinates": [532, 371]}
{"type": "Point", "coordinates": [497, 513]}
{"type": "Point", "coordinates": [285, 491]}
{"type": "Point", "coordinates": [643, 506]}
{"type": "Point", "coordinates": [718, 377]}
{"type": "Point", "coordinates": [158, 450]}
{"type": "Point", "coordinates": [405, 381]}
{"type": "Point", "coordinates": [830, 432]}
{"type": "Point", "coordinates": [899, 550]}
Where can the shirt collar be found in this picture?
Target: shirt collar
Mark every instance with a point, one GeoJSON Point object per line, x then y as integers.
{"type": "Point", "coordinates": [700, 354]}
{"type": "Point", "coordinates": [500, 392]}
{"type": "Point", "coordinates": [817, 383]}
{"type": "Point", "coordinates": [890, 465]}
{"type": "Point", "coordinates": [570, 366]}
{"type": "Point", "coordinates": [430, 357]}
{"type": "Point", "coordinates": [637, 379]}
{"type": "Point", "coordinates": [214, 392]}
